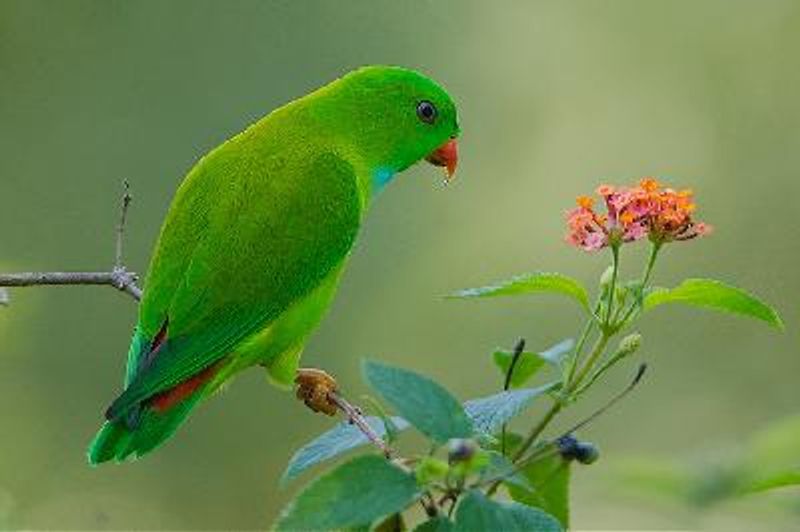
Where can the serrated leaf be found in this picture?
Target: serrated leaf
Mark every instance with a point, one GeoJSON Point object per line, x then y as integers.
{"type": "Point", "coordinates": [713, 294]}
{"type": "Point", "coordinates": [527, 365]}
{"type": "Point", "coordinates": [488, 414]}
{"type": "Point", "coordinates": [421, 401]}
{"type": "Point", "coordinates": [531, 283]}
{"type": "Point", "coordinates": [438, 524]}
{"type": "Point", "coordinates": [356, 493]}
{"type": "Point", "coordinates": [477, 512]}
{"type": "Point", "coordinates": [340, 439]}
{"type": "Point", "coordinates": [550, 480]}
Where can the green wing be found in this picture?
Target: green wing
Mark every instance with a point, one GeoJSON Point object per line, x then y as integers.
{"type": "Point", "coordinates": [249, 234]}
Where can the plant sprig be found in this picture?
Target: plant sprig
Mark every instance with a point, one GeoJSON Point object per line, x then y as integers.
{"type": "Point", "coordinates": [471, 453]}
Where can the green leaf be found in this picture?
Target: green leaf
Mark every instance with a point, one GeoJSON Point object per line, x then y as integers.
{"type": "Point", "coordinates": [392, 430]}
{"type": "Point", "coordinates": [340, 439]}
{"type": "Point", "coordinates": [777, 480]}
{"type": "Point", "coordinates": [424, 403]}
{"type": "Point", "coordinates": [531, 283]}
{"type": "Point", "coordinates": [477, 512]}
{"type": "Point", "coordinates": [549, 477]}
{"type": "Point", "coordinates": [512, 443]}
{"type": "Point", "coordinates": [716, 295]}
{"type": "Point", "coordinates": [438, 524]}
{"type": "Point", "coordinates": [489, 413]}
{"type": "Point", "coordinates": [501, 468]}
{"type": "Point", "coordinates": [356, 493]}
{"type": "Point", "coordinates": [770, 459]}
{"type": "Point", "coordinates": [775, 446]}
{"type": "Point", "coordinates": [527, 365]}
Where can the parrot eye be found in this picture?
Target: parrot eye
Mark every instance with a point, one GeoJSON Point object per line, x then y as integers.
{"type": "Point", "coordinates": [426, 111]}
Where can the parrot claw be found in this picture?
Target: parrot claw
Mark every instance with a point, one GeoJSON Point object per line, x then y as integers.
{"type": "Point", "coordinates": [314, 388]}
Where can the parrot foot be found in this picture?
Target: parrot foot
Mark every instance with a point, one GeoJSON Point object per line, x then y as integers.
{"type": "Point", "coordinates": [314, 388]}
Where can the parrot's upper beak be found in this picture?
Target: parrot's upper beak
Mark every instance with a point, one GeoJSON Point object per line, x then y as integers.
{"type": "Point", "coordinates": [445, 156]}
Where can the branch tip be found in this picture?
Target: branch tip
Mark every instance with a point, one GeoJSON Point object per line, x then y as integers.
{"type": "Point", "coordinates": [119, 277]}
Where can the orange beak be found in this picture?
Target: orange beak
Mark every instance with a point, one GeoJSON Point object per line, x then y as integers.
{"type": "Point", "coordinates": [445, 156]}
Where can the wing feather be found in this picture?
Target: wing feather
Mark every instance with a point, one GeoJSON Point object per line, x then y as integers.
{"type": "Point", "coordinates": [268, 239]}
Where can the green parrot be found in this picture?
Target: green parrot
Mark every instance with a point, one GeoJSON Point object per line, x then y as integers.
{"type": "Point", "coordinates": [255, 241]}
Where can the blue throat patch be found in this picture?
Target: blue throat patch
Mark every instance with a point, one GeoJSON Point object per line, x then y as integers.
{"type": "Point", "coordinates": [380, 178]}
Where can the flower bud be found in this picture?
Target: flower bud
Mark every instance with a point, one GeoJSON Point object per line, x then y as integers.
{"type": "Point", "coordinates": [629, 345]}
{"type": "Point", "coordinates": [605, 279]}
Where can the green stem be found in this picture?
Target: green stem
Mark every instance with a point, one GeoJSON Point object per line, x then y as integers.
{"type": "Point", "coordinates": [613, 285]}
{"type": "Point", "coordinates": [555, 408]}
{"type": "Point", "coordinates": [651, 261]}
{"type": "Point", "coordinates": [573, 362]}
{"type": "Point", "coordinates": [543, 452]}
{"type": "Point", "coordinates": [596, 353]}
{"type": "Point", "coordinates": [648, 270]}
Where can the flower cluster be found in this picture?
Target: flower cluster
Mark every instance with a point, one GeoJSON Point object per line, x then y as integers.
{"type": "Point", "coordinates": [632, 213]}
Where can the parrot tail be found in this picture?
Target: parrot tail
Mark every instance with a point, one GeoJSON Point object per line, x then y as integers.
{"type": "Point", "coordinates": [115, 441]}
{"type": "Point", "coordinates": [157, 420]}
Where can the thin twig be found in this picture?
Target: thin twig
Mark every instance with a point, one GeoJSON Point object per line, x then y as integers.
{"type": "Point", "coordinates": [521, 462]}
{"type": "Point", "coordinates": [123, 217]}
{"type": "Point", "coordinates": [614, 400]}
{"type": "Point", "coordinates": [355, 417]}
{"type": "Point", "coordinates": [119, 277]}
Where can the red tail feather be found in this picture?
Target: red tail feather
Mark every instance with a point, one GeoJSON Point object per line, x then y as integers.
{"type": "Point", "coordinates": [165, 400]}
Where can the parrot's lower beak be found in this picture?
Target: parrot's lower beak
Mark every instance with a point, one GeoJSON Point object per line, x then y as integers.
{"type": "Point", "coordinates": [445, 156]}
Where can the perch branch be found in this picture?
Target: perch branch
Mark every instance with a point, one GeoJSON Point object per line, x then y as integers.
{"type": "Point", "coordinates": [356, 417]}
{"type": "Point", "coordinates": [119, 277]}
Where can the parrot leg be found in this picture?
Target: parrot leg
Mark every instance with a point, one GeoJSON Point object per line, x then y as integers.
{"type": "Point", "coordinates": [314, 388]}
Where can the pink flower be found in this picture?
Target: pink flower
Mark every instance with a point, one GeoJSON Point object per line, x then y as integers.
{"type": "Point", "coordinates": [633, 213]}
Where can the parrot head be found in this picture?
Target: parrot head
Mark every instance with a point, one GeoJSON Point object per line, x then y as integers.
{"type": "Point", "coordinates": [399, 117]}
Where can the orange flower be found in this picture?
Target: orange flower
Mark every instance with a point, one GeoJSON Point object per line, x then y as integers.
{"type": "Point", "coordinates": [662, 214]}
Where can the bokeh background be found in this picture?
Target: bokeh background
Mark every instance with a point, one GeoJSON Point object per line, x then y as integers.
{"type": "Point", "coordinates": [555, 98]}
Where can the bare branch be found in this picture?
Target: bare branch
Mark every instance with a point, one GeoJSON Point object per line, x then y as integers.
{"type": "Point", "coordinates": [119, 277]}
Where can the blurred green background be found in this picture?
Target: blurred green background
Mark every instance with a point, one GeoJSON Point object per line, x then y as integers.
{"type": "Point", "coordinates": [554, 97]}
